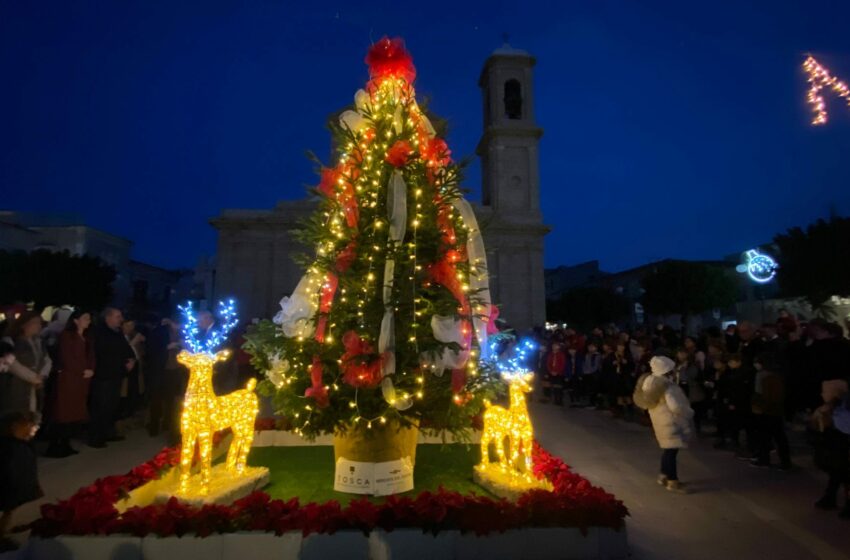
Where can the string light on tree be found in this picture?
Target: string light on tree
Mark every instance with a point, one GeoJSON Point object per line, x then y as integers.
{"type": "Point", "coordinates": [820, 78]}
{"type": "Point", "coordinates": [384, 327]}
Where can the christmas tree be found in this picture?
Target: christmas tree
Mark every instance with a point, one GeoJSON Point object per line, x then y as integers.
{"type": "Point", "coordinates": [390, 320]}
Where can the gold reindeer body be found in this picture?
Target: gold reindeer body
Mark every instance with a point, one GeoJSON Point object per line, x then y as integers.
{"type": "Point", "coordinates": [514, 424]}
{"type": "Point", "coordinates": [205, 413]}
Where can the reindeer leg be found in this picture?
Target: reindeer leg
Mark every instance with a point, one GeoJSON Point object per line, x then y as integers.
{"type": "Point", "coordinates": [500, 450]}
{"type": "Point", "coordinates": [245, 448]}
{"type": "Point", "coordinates": [233, 452]}
{"type": "Point", "coordinates": [187, 453]}
{"type": "Point", "coordinates": [205, 444]}
{"type": "Point", "coordinates": [485, 448]}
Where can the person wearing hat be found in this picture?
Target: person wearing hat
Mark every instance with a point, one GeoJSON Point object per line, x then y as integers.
{"type": "Point", "coordinates": [671, 416]}
{"type": "Point", "coordinates": [831, 439]}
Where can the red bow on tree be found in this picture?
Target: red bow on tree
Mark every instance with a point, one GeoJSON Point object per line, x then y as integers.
{"type": "Point", "coordinates": [317, 391]}
{"type": "Point", "coordinates": [399, 153]}
{"type": "Point", "coordinates": [357, 369]}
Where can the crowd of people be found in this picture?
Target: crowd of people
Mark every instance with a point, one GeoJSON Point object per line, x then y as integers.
{"type": "Point", "coordinates": [77, 376]}
{"type": "Point", "coordinates": [748, 382]}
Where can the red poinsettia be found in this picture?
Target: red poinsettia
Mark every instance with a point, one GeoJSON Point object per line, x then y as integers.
{"type": "Point", "coordinates": [389, 58]}
{"type": "Point", "coordinates": [399, 153]}
{"type": "Point", "coordinates": [573, 503]}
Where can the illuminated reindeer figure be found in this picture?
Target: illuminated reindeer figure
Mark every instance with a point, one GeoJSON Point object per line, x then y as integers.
{"type": "Point", "coordinates": [205, 413]}
{"type": "Point", "coordinates": [513, 424]}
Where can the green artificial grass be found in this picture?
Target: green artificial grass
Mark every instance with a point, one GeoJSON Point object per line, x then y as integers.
{"type": "Point", "coordinates": [308, 471]}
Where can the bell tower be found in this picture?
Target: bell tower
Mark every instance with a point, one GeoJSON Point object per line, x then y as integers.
{"type": "Point", "coordinates": [512, 223]}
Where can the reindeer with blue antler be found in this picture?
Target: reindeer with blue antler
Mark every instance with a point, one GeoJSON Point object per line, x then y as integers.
{"type": "Point", "coordinates": [205, 413]}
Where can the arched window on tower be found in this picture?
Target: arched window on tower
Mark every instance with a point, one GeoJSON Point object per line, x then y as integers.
{"type": "Point", "coordinates": [513, 99]}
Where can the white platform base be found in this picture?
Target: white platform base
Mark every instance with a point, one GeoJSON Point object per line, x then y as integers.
{"type": "Point", "coordinates": [407, 544]}
{"type": "Point", "coordinates": [225, 486]}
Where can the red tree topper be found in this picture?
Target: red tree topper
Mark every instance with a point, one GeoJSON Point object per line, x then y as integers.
{"type": "Point", "coordinates": [389, 58]}
{"type": "Point", "coordinates": [399, 153]}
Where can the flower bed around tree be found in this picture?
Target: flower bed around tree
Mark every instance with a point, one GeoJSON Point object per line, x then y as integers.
{"type": "Point", "coordinates": [574, 503]}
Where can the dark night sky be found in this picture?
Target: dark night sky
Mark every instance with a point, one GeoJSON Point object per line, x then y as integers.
{"type": "Point", "coordinates": [672, 128]}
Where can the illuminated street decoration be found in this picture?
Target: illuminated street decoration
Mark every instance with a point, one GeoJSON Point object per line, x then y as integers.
{"type": "Point", "coordinates": [512, 424]}
{"type": "Point", "coordinates": [759, 267]}
{"type": "Point", "coordinates": [205, 413]}
{"type": "Point", "coordinates": [513, 471]}
{"type": "Point", "coordinates": [820, 78]}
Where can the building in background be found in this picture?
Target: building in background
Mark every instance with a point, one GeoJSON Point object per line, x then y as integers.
{"type": "Point", "coordinates": [139, 288]}
{"type": "Point", "coordinates": [254, 258]}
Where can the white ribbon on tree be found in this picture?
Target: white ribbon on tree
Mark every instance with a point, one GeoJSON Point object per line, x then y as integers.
{"type": "Point", "coordinates": [449, 329]}
{"type": "Point", "coordinates": [397, 214]}
{"type": "Point", "coordinates": [479, 278]}
{"type": "Point", "coordinates": [297, 311]}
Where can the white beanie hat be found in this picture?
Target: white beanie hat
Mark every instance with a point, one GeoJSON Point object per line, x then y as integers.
{"type": "Point", "coordinates": [661, 365]}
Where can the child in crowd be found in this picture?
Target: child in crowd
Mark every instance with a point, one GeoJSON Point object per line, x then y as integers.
{"type": "Point", "coordinates": [608, 376]}
{"type": "Point", "coordinates": [689, 379]}
{"type": "Point", "coordinates": [18, 472]}
{"type": "Point", "coordinates": [590, 373]}
{"type": "Point", "coordinates": [625, 379]}
{"type": "Point", "coordinates": [768, 406]}
{"type": "Point", "coordinates": [671, 415]}
{"type": "Point", "coordinates": [556, 364]}
{"type": "Point", "coordinates": [832, 445]}
{"type": "Point", "coordinates": [740, 396]}
{"type": "Point", "coordinates": [723, 407]}
{"type": "Point", "coordinates": [572, 375]}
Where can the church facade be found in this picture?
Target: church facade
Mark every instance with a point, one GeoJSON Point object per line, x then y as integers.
{"type": "Point", "coordinates": [255, 247]}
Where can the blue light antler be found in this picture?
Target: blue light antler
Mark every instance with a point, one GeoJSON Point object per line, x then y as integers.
{"type": "Point", "coordinates": [512, 362]}
{"type": "Point", "coordinates": [216, 336]}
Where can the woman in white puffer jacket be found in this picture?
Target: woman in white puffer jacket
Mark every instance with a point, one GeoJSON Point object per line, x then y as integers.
{"type": "Point", "coordinates": [671, 415]}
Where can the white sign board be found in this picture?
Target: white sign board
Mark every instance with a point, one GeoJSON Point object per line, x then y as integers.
{"type": "Point", "coordinates": [379, 479]}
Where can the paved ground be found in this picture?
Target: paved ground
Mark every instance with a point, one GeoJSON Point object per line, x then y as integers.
{"type": "Point", "coordinates": [734, 510]}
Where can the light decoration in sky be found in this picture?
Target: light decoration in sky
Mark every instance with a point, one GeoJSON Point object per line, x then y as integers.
{"type": "Point", "coordinates": [513, 471]}
{"type": "Point", "coordinates": [759, 267]}
{"type": "Point", "coordinates": [205, 413]}
{"type": "Point", "coordinates": [820, 78]}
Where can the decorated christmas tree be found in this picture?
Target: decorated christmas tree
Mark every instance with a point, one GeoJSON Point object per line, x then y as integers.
{"type": "Point", "coordinates": [389, 322]}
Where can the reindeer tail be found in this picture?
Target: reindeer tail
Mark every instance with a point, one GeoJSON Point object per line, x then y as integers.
{"type": "Point", "coordinates": [251, 384]}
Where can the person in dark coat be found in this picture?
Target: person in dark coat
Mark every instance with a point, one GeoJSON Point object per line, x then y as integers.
{"type": "Point", "coordinates": [768, 407]}
{"type": "Point", "coordinates": [165, 378]}
{"type": "Point", "coordinates": [18, 470]}
{"type": "Point", "coordinates": [70, 393]}
{"type": "Point", "coordinates": [113, 359]}
{"type": "Point", "coordinates": [740, 390]}
{"type": "Point", "coordinates": [829, 352]}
